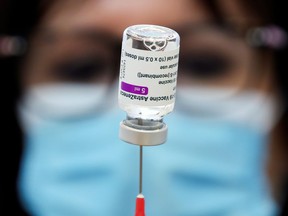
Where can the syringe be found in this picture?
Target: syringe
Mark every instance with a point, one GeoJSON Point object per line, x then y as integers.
{"type": "Point", "coordinates": [140, 205]}
{"type": "Point", "coordinates": [147, 87]}
{"type": "Point", "coordinates": [140, 201]}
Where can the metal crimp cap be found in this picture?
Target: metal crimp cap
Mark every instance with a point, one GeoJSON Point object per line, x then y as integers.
{"type": "Point", "coordinates": [149, 133]}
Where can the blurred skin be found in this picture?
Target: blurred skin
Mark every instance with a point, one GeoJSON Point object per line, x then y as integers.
{"type": "Point", "coordinates": [63, 30]}
{"type": "Point", "coordinates": [74, 29]}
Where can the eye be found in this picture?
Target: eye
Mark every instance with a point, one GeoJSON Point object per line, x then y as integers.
{"type": "Point", "coordinates": [205, 66]}
{"type": "Point", "coordinates": [80, 69]}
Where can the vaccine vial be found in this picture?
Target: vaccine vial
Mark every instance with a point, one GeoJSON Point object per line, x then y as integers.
{"type": "Point", "coordinates": [148, 71]}
{"type": "Point", "coordinates": [147, 82]}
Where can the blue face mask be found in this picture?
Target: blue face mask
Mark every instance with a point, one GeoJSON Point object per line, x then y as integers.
{"type": "Point", "coordinates": [207, 167]}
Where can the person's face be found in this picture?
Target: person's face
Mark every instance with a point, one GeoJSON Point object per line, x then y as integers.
{"type": "Point", "coordinates": [79, 41]}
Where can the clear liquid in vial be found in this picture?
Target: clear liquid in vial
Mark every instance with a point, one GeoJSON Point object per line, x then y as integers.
{"type": "Point", "coordinates": [160, 42]}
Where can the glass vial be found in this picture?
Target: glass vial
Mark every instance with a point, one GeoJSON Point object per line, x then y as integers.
{"type": "Point", "coordinates": [148, 71]}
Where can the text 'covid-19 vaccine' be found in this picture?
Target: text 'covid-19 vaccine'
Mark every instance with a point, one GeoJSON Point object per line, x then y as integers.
{"type": "Point", "coordinates": [148, 76]}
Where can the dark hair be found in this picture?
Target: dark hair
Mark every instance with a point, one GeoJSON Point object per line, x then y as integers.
{"type": "Point", "coordinates": [269, 12]}
{"type": "Point", "coordinates": [17, 18]}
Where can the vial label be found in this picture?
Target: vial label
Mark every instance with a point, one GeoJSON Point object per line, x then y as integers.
{"type": "Point", "coordinates": [148, 78]}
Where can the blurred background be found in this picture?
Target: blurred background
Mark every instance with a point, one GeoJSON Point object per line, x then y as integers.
{"type": "Point", "coordinates": [226, 152]}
